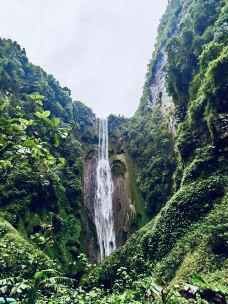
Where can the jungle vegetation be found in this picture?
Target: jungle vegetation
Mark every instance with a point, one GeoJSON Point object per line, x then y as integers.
{"type": "Point", "coordinates": [180, 254]}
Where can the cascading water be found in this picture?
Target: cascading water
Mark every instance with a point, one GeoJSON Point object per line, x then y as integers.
{"type": "Point", "coordinates": [104, 219]}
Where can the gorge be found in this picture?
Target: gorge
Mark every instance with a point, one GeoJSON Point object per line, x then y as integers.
{"type": "Point", "coordinates": [119, 210]}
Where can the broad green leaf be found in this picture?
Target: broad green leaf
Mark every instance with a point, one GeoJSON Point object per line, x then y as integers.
{"type": "Point", "coordinates": [56, 140]}
{"type": "Point", "coordinates": [29, 143]}
{"type": "Point", "coordinates": [25, 122]}
{"type": "Point", "coordinates": [39, 102]}
{"type": "Point", "coordinates": [4, 105]}
{"type": "Point", "coordinates": [198, 280]}
{"type": "Point", "coordinates": [38, 114]}
{"type": "Point", "coordinates": [44, 114]}
{"type": "Point", "coordinates": [55, 122]}
{"type": "Point", "coordinates": [24, 165]}
{"type": "Point", "coordinates": [38, 275]}
{"type": "Point", "coordinates": [62, 160]}
{"type": "Point", "coordinates": [36, 96]}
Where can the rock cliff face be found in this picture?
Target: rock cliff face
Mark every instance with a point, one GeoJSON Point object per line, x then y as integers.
{"type": "Point", "coordinates": [157, 92]}
{"type": "Point", "coordinates": [123, 205]}
{"type": "Point", "coordinates": [155, 89]}
{"type": "Point", "coordinates": [90, 236]}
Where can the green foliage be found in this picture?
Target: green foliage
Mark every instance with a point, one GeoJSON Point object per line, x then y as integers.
{"type": "Point", "coordinates": [141, 217]}
{"type": "Point", "coordinates": [116, 125]}
{"type": "Point", "coordinates": [202, 283]}
{"type": "Point", "coordinates": [189, 234]}
{"type": "Point", "coordinates": [42, 131]}
{"type": "Point", "coordinates": [182, 177]}
{"type": "Point", "coordinates": [215, 291]}
{"type": "Point", "coordinates": [118, 167]}
{"type": "Point", "coordinates": [150, 144]}
{"type": "Point", "coordinates": [29, 290]}
{"type": "Point", "coordinates": [18, 257]}
{"type": "Point", "coordinates": [184, 50]}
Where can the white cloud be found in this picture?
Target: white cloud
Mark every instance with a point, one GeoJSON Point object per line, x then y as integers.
{"type": "Point", "coordinates": [98, 48]}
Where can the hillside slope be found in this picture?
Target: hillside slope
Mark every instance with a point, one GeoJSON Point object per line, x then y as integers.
{"type": "Point", "coordinates": [178, 140]}
{"type": "Point", "coordinates": [42, 135]}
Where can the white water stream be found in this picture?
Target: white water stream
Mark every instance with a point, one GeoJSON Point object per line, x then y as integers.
{"type": "Point", "coordinates": [104, 219]}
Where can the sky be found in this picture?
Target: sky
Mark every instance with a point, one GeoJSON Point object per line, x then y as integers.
{"type": "Point", "coordinates": [99, 49]}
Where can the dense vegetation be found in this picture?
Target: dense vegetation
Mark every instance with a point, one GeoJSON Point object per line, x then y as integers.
{"type": "Point", "coordinates": [42, 134]}
{"type": "Point", "coordinates": [180, 255]}
{"type": "Point", "coordinates": [186, 167]}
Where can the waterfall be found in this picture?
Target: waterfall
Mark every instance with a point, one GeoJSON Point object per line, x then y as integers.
{"type": "Point", "coordinates": [104, 219]}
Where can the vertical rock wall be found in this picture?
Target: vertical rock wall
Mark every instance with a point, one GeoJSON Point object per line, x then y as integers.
{"type": "Point", "coordinates": [89, 235]}
{"type": "Point", "coordinates": [156, 91]}
{"type": "Point", "coordinates": [123, 206]}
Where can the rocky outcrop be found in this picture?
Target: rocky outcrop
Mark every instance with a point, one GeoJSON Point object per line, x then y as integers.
{"type": "Point", "coordinates": [123, 204]}
{"type": "Point", "coordinates": [90, 236]}
{"type": "Point", "coordinates": [156, 91]}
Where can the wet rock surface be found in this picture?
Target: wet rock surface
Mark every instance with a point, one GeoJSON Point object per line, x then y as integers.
{"type": "Point", "coordinates": [90, 236]}
{"type": "Point", "coordinates": [123, 205]}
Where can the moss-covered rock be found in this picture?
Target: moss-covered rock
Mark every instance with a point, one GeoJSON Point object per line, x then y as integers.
{"type": "Point", "coordinates": [118, 167]}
